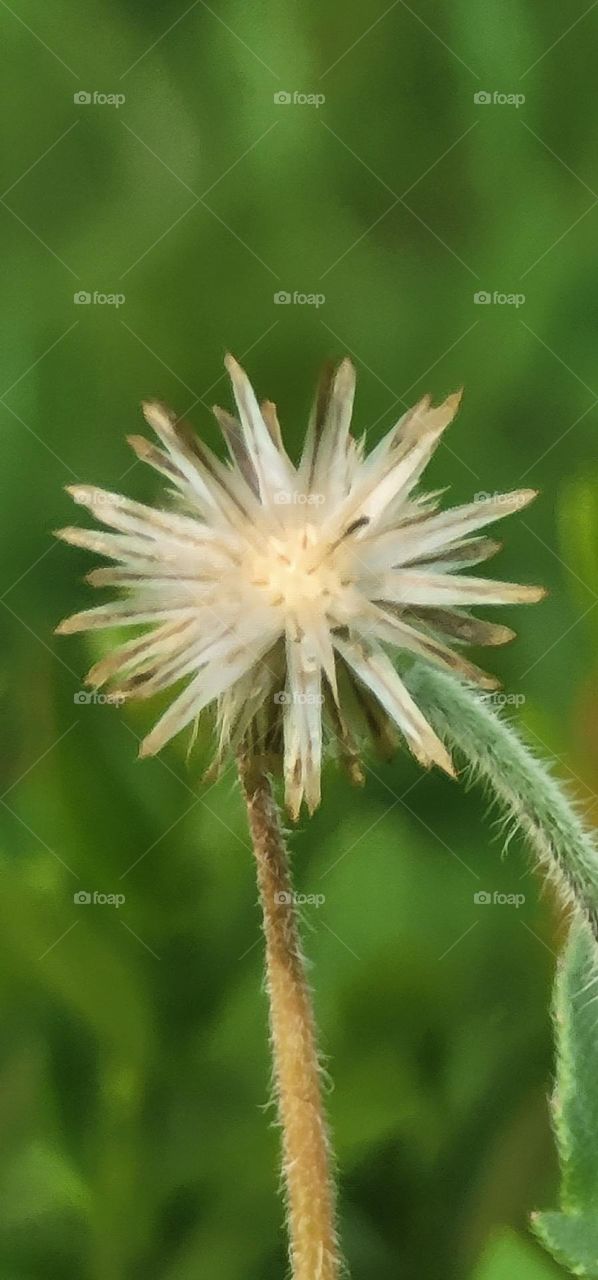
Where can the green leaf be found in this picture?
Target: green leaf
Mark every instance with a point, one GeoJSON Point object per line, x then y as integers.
{"type": "Point", "coordinates": [572, 1235]}
{"type": "Point", "coordinates": [572, 1239]}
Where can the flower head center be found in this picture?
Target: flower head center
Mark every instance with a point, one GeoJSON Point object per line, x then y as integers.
{"type": "Point", "coordinates": [294, 569]}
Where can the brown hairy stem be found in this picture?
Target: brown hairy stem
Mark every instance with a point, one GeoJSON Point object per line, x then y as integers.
{"type": "Point", "coordinates": [310, 1191]}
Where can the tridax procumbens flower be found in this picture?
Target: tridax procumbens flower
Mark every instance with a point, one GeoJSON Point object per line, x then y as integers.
{"type": "Point", "coordinates": [266, 579]}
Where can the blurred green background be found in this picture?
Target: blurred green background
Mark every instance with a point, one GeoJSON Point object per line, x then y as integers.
{"type": "Point", "coordinates": [133, 1057]}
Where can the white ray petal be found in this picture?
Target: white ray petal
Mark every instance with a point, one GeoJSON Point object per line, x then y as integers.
{"type": "Point", "coordinates": [142, 653]}
{"type": "Point", "coordinates": [376, 671]}
{"type": "Point", "coordinates": [315, 426]}
{"type": "Point", "coordinates": [404, 586]}
{"type": "Point", "coordinates": [212, 648]}
{"type": "Point", "coordinates": [203, 689]}
{"type": "Point", "coordinates": [398, 474]}
{"type": "Point", "coordinates": [222, 494]}
{"type": "Point", "coordinates": [147, 522]}
{"type": "Point", "coordinates": [394, 630]}
{"type": "Point", "coordinates": [235, 443]}
{"type": "Point", "coordinates": [147, 452]}
{"type": "Point", "coordinates": [274, 470]}
{"type": "Point", "coordinates": [239, 704]}
{"type": "Point", "coordinates": [319, 638]}
{"type": "Point", "coordinates": [302, 723]}
{"type": "Point", "coordinates": [120, 613]}
{"type": "Point", "coordinates": [399, 546]}
{"type": "Point", "coordinates": [461, 626]}
{"type": "Point", "coordinates": [111, 545]}
{"type": "Point", "coordinates": [464, 554]}
{"type": "Point", "coordinates": [393, 442]}
{"type": "Point", "coordinates": [330, 471]}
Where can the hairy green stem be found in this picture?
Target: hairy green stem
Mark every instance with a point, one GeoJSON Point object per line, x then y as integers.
{"type": "Point", "coordinates": [523, 785]}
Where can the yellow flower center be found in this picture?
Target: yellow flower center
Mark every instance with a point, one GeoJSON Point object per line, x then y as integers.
{"type": "Point", "coordinates": [294, 570]}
